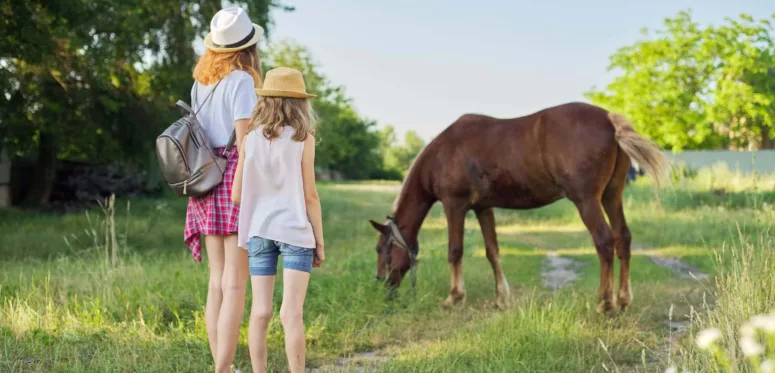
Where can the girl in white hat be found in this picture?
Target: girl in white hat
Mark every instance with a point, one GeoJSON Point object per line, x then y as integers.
{"type": "Point", "coordinates": [226, 77]}
{"type": "Point", "coordinates": [280, 210]}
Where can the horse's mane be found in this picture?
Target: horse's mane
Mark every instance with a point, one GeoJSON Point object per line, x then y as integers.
{"type": "Point", "coordinates": [408, 175]}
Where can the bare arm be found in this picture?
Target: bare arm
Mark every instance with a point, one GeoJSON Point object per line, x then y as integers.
{"type": "Point", "coordinates": [241, 129]}
{"type": "Point", "coordinates": [312, 199]}
{"type": "Point", "coordinates": [236, 186]}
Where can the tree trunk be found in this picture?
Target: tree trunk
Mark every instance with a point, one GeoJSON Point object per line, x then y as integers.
{"type": "Point", "coordinates": [44, 172]}
{"type": "Point", "coordinates": [767, 141]}
{"type": "Point", "coordinates": [5, 178]}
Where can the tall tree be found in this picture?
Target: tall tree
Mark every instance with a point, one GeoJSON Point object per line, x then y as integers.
{"type": "Point", "coordinates": [694, 87]}
{"type": "Point", "coordinates": [398, 157]}
{"type": "Point", "coordinates": [96, 79]}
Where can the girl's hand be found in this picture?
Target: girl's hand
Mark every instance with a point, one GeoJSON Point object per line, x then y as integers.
{"type": "Point", "coordinates": [320, 256]}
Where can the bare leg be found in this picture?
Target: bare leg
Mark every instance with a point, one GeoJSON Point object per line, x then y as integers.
{"type": "Point", "coordinates": [623, 240]}
{"type": "Point", "coordinates": [292, 316]}
{"type": "Point", "coordinates": [260, 316]}
{"type": "Point", "coordinates": [592, 215]}
{"type": "Point", "coordinates": [455, 226]}
{"type": "Point", "coordinates": [487, 223]}
{"type": "Point", "coordinates": [234, 283]}
{"type": "Point", "coordinates": [214, 247]}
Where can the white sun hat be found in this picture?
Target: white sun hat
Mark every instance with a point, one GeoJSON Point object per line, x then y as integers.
{"type": "Point", "coordinates": [231, 30]}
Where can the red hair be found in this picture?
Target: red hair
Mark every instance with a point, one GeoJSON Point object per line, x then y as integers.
{"type": "Point", "coordinates": [213, 66]}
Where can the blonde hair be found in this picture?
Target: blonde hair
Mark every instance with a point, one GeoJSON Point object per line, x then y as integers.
{"type": "Point", "coordinates": [273, 113]}
{"type": "Point", "coordinates": [213, 66]}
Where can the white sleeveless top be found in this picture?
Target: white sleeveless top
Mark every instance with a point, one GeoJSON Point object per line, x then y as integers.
{"type": "Point", "coordinates": [272, 204]}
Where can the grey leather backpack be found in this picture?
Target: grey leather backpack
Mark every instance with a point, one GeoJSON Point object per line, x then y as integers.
{"type": "Point", "coordinates": [187, 162]}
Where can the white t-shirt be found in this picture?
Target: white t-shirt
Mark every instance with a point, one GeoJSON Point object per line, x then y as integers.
{"type": "Point", "coordinates": [234, 99]}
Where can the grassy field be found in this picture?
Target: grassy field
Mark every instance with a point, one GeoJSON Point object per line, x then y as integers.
{"type": "Point", "coordinates": [65, 308]}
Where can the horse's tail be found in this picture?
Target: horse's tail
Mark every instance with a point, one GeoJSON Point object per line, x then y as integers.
{"type": "Point", "coordinates": [642, 150]}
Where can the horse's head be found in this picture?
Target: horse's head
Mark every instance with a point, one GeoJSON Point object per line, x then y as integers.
{"type": "Point", "coordinates": [394, 257]}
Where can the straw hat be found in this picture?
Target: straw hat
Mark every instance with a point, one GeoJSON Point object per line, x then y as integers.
{"type": "Point", "coordinates": [284, 82]}
{"type": "Point", "coordinates": [231, 30]}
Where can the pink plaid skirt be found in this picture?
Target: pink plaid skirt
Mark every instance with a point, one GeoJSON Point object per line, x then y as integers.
{"type": "Point", "coordinates": [212, 213]}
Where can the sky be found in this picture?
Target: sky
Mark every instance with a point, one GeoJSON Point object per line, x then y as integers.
{"type": "Point", "coordinates": [422, 64]}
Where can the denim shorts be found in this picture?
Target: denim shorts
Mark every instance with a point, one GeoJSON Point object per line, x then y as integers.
{"type": "Point", "coordinates": [263, 253]}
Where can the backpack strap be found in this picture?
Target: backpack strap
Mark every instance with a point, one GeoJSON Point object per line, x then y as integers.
{"type": "Point", "coordinates": [181, 104]}
{"type": "Point", "coordinates": [233, 137]}
{"type": "Point", "coordinates": [196, 89]}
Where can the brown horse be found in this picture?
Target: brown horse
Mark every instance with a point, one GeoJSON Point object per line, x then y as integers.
{"type": "Point", "coordinates": [575, 151]}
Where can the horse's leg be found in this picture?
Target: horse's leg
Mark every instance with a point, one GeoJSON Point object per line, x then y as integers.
{"type": "Point", "coordinates": [487, 222]}
{"type": "Point", "coordinates": [592, 215]}
{"type": "Point", "coordinates": [612, 203]}
{"type": "Point", "coordinates": [623, 240]}
{"type": "Point", "coordinates": [455, 227]}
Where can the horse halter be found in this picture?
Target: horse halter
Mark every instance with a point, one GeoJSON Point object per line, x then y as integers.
{"type": "Point", "coordinates": [394, 237]}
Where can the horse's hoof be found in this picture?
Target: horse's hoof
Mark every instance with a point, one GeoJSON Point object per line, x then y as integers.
{"type": "Point", "coordinates": [502, 297]}
{"type": "Point", "coordinates": [452, 301]}
{"type": "Point", "coordinates": [624, 300]}
{"type": "Point", "coordinates": [502, 302]}
{"type": "Point", "coordinates": [605, 306]}
{"type": "Point", "coordinates": [623, 303]}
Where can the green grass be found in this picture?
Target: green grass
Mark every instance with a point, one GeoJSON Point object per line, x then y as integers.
{"type": "Point", "coordinates": [744, 288]}
{"type": "Point", "coordinates": [63, 309]}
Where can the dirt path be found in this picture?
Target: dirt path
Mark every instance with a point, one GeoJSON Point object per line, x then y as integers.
{"type": "Point", "coordinates": [679, 267]}
{"type": "Point", "coordinates": [356, 363]}
{"type": "Point", "coordinates": [559, 271]}
{"type": "Point", "coordinates": [677, 328]}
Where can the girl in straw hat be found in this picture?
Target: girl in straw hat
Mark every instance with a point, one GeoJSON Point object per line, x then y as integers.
{"type": "Point", "coordinates": [224, 95]}
{"type": "Point", "coordinates": [280, 210]}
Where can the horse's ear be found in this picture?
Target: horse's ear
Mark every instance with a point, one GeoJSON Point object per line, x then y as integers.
{"type": "Point", "coordinates": [381, 228]}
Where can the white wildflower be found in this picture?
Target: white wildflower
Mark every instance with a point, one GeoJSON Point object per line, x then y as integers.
{"type": "Point", "coordinates": [768, 366]}
{"type": "Point", "coordinates": [671, 370]}
{"type": "Point", "coordinates": [708, 337]}
{"type": "Point", "coordinates": [764, 322]}
{"type": "Point", "coordinates": [748, 330]}
{"type": "Point", "coordinates": [750, 347]}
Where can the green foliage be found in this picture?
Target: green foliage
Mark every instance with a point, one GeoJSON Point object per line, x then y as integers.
{"type": "Point", "coordinates": [100, 76]}
{"type": "Point", "coordinates": [689, 86]}
{"type": "Point", "coordinates": [398, 158]}
{"type": "Point", "coordinates": [97, 80]}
